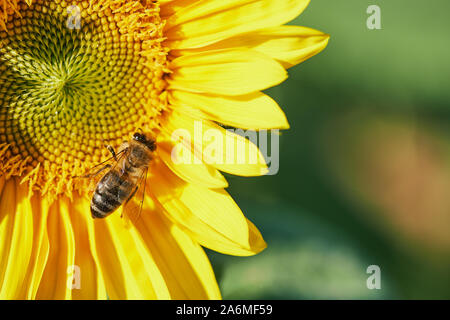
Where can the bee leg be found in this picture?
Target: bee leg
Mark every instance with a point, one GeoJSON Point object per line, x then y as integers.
{"type": "Point", "coordinates": [129, 198]}
{"type": "Point", "coordinates": [111, 149]}
{"type": "Point", "coordinates": [143, 195]}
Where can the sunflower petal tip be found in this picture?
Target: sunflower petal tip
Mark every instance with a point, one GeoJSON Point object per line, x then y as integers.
{"type": "Point", "coordinates": [258, 247]}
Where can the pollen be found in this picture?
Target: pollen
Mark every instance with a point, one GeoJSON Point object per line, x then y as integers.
{"type": "Point", "coordinates": [74, 77]}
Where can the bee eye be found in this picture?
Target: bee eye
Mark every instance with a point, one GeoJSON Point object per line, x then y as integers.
{"type": "Point", "coordinates": [136, 136]}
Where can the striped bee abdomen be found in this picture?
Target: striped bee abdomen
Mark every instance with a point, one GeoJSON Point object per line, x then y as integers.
{"type": "Point", "coordinates": [121, 183]}
{"type": "Point", "coordinates": [111, 192]}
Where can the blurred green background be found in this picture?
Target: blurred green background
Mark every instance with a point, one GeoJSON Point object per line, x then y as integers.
{"type": "Point", "coordinates": [365, 168]}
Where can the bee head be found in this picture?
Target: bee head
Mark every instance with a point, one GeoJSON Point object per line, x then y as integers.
{"type": "Point", "coordinates": [148, 142]}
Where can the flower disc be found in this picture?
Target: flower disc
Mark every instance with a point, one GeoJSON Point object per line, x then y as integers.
{"type": "Point", "coordinates": [74, 78]}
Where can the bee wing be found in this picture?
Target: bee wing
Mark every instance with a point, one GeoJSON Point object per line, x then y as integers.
{"type": "Point", "coordinates": [96, 173]}
{"type": "Point", "coordinates": [133, 206]}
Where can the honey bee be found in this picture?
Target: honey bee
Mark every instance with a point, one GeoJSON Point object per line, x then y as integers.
{"type": "Point", "coordinates": [123, 178]}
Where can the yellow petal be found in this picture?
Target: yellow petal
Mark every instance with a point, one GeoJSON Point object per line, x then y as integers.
{"type": "Point", "coordinates": [252, 111]}
{"type": "Point", "coordinates": [17, 246]}
{"type": "Point", "coordinates": [194, 173]}
{"type": "Point", "coordinates": [183, 263]}
{"type": "Point", "coordinates": [128, 268]}
{"type": "Point", "coordinates": [91, 283]}
{"type": "Point", "coordinates": [170, 7]}
{"type": "Point", "coordinates": [55, 280]}
{"type": "Point", "coordinates": [7, 213]}
{"type": "Point", "coordinates": [211, 217]}
{"type": "Point", "coordinates": [206, 22]}
{"type": "Point", "coordinates": [26, 228]}
{"type": "Point", "coordinates": [220, 148]}
{"type": "Point", "coordinates": [290, 45]}
{"type": "Point", "coordinates": [41, 244]}
{"type": "Point", "coordinates": [164, 2]}
{"type": "Point", "coordinates": [227, 72]}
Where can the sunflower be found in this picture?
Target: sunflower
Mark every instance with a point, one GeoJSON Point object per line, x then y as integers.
{"type": "Point", "coordinates": [76, 75]}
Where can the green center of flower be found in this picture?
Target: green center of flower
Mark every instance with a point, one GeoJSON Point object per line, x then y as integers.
{"type": "Point", "coordinates": [72, 79]}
